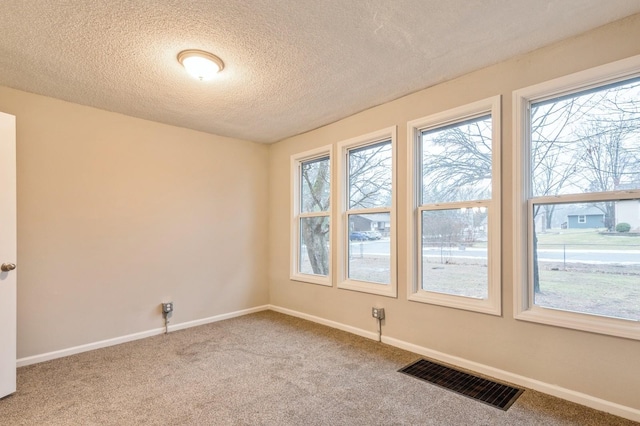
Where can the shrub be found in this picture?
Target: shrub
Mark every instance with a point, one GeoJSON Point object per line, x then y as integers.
{"type": "Point", "coordinates": [623, 227]}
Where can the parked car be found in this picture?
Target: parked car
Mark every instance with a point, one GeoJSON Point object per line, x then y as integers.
{"type": "Point", "coordinates": [372, 235]}
{"type": "Point", "coordinates": [358, 236]}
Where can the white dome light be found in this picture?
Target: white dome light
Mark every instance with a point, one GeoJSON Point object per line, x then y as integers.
{"type": "Point", "coordinates": [200, 64]}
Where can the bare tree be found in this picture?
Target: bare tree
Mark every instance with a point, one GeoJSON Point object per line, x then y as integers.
{"type": "Point", "coordinates": [610, 158]}
{"type": "Point", "coordinates": [369, 186]}
{"type": "Point", "coordinates": [456, 162]}
{"type": "Point", "coordinates": [444, 229]}
{"type": "Point", "coordinates": [370, 176]}
{"type": "Point", "coordinates": [553, 161]}
{"type": "Point", "coordinates": [315, 230]}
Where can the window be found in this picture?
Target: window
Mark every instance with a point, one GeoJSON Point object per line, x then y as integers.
{"type": "Point", "coordinates": [578, 144]}
{"type": "Point", "coordinates": [311, 201]}
{"type": "Point", "coordinates": [367, 204]}
{"type": "Point", "coordinates": [454, 252]}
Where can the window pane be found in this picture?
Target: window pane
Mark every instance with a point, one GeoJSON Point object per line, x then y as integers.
{"type": "Point", "coordinates": [314, 245]}
{"type": "Point", "coordinates": [370, 176]}
{"type": "Point", "coordinates": [454, 252]}
{"type": "Point", "coordinates": [580, 266]}
{"type": "Point", "coordinates": [314, 185]}
{"type": "Point", "coordinates": [456, 162]}
{"type": "Point", "coordinates": [587, 142]}
{"type": "Point", "coordinates": [369, 248]}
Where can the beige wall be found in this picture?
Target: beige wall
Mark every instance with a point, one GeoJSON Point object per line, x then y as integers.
{"type": "Point", "coordinates": [118, 214]}
{"type": "Point", "coordinates": [597, 365]}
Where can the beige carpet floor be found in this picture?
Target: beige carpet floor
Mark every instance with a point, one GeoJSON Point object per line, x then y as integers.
{"type": "Point", "coordinates": [260, 369]}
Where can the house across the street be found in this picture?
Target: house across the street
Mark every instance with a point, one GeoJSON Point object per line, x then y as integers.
{"type": "Point", "coordinates": [380, 222]}
{"type": "Point", "coordinates": [587, 218]}
{"type": "Point", "coordinates": [628, 211]}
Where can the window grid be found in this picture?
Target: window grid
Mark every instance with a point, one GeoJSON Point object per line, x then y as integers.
{"type": "Point", "coordinates": [303, 268]}
{"type": "Point", "coordinates": [476, 299]}
{"type": "Point", "coordinates": [354, 248]}
{"type": "Point", "coordinates": [527, 198]}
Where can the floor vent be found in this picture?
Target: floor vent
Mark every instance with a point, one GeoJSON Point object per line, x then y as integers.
{"type": "Point", "coordinates": [483, 390]}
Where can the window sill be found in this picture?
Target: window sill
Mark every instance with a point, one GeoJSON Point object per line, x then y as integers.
{"type": "Point", "coordinates": [311, 279]}
{"type": "Point", "coordinates": [628, 329]}
{"type": "Point", "coordinates": [387, 290]}
{"type": "Point", "coordinates": [458, 302]}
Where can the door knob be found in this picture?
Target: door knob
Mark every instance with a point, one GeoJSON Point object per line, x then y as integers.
{"type": "Point", "coordinates": [6, 267]}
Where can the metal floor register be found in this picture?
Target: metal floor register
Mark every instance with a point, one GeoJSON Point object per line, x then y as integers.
{"type": "Point", "coordinates": [492, 393]}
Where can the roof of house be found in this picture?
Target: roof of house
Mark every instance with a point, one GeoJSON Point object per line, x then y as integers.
{"type": "Point", "coordinates": [376, 217]}
{"type": "Point", "coordinates": [587, 211]}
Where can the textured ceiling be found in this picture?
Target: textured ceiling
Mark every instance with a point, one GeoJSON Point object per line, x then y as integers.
{"type": "Point", "coordinates": [290, 65]}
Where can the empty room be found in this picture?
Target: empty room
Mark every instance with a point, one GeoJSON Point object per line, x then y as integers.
{"type": "Point", "coordinates": [319, 212]}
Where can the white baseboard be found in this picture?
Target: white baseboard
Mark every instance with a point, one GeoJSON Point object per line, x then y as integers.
{"type": "Point", "coordinates": [217, 318]}
{"type": "Point", "coordinates": [328, 323]}
{"type": "Point", "coordinates": [130, 337]}
{"type": "Point", "coordinates": [516, 379]}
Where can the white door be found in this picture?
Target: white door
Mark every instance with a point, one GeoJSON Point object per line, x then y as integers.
{"type": "Point", "coordinates": [7, 254]}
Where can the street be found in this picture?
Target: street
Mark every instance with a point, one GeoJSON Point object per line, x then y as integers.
{"type": "Point", "coordinates": [621, 257]}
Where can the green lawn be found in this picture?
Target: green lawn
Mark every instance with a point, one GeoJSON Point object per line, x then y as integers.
{"type": "Point", "coordinates": [588, 239]}
{"type": "Point", "coordinates": [606, 294]}
{"type": "Point", "coordinates": [602, 290]}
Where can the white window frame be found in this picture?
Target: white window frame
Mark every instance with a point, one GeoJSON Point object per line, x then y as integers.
{"type": "Point", "coordinates": [582, 218]}
{"type": "Point", "coordinates": [524, 308]}
{"type": "Point", "coordinates": [296, 187]}
{"type": "Point", "coordinates": [344, 282]}
{"type": "Point", "coordinates": [492, 304]}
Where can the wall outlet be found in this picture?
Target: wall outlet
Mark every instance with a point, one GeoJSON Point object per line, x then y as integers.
{"type": "Point", "coordinates": [167, 308]}
{"type": "Point", "coordinates": [377, 313]}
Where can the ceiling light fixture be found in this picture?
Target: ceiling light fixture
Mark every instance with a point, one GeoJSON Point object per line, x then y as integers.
{"type": "Point", "coordinates": [200, 64]}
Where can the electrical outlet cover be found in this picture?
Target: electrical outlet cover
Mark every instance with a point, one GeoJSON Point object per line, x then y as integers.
{"type": "Point", "coordinates": [377, 313]}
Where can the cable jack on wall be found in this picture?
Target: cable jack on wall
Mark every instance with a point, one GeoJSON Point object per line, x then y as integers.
{"type": "Point", "coordinates": [167, 311]}
{"type": "Point", "coordinates": [378, 313]}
